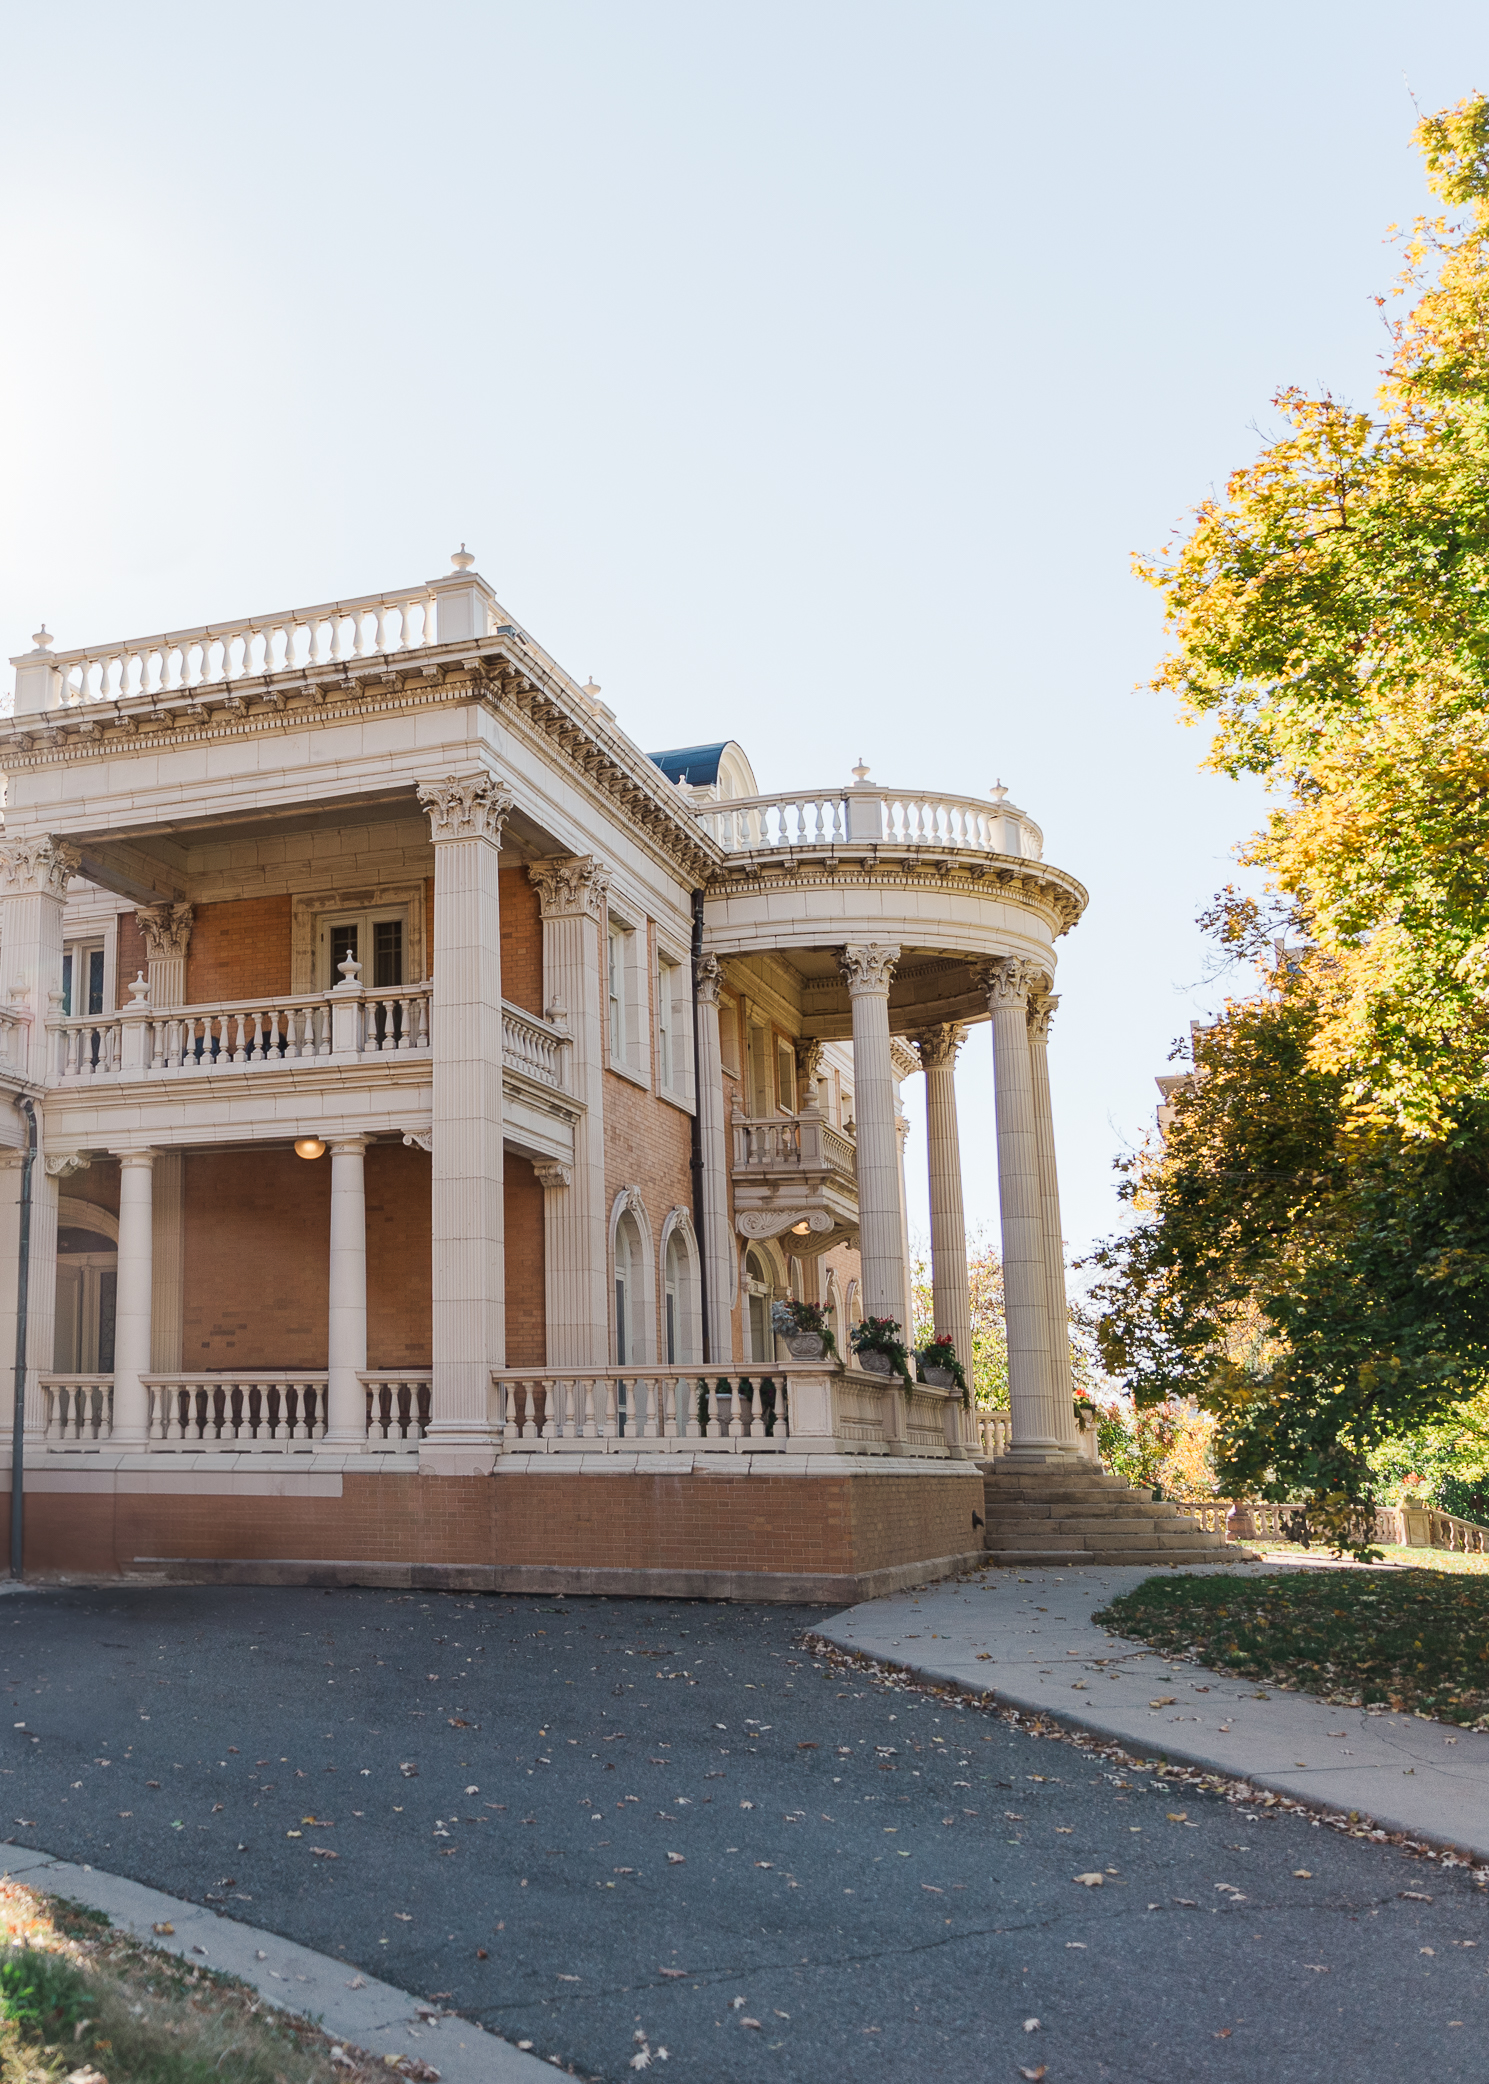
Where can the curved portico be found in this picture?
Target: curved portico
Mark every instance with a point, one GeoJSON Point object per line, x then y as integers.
{"type": "Point", "coordinates": [913, 919]}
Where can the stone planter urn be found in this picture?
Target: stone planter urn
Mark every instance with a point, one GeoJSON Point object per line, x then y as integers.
{"type": "Point", "coordinates": [940, 1378]}
{"type": "Point", "coordinates": [875, 1363]}
{"type": "Point", "coordinates": [1240, 1523]}
{"type": "Point", "coordinates": [805, 1345]}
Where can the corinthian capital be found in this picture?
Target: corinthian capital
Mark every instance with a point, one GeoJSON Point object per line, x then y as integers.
{"type": "Point", "coordinates": [1042, 1006]}
{"type": "Point", "coordinates": [939, 1045]}
{"type": "Point", "coordinates": [465, 806]}
{"type": "Point", "coordinates": [867, 967]}
{"type": "Point", "coordinates": [166, 929]}
{"type": "Point", "coordinates": [42, 864]}
{"type": "Point", "coordinates": [1008, 982]}
{"type": "Point", "coordinates": [570, 887]}
{"type": "Point", "coordinates": [709, 976]}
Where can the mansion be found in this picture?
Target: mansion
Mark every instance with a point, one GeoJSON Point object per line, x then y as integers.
{"type": "Point", "coordinates": [416, 1101]}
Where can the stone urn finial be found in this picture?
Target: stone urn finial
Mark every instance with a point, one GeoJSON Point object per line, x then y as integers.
{"type": "Point", "coordinates": [42, 638]}
{"type": "Point", "coordinates": [462, 559]}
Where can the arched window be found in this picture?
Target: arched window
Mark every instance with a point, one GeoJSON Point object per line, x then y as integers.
{"type": "Point", "coordinates": [834, 1301]}
{"type": "Point", "coordinates": [629, 1318]}
{"type": "Point", "coordinates": [682, 1339]}
{"type": "Point", "coordinates": [759, 1293]}
{"type": "Point", "coordinates": [851, 1308]}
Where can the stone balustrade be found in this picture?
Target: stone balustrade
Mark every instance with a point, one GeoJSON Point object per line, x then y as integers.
{"type": "Point", "coordinates": [786, 1143]}
{"type": "Point", "coordinates": [535, 1047]}
{"type": "Point", "coordinates": [220, 653]}
{"type": "Point", "coordinates": [78, 1410]}
{"type": "Point", "coordinates": [795, 1406]}
{"type": "Point", "coordinates": [282, 1412]}
{"type": "Point", "coordinates": [397, 1407]}
{"type": "Point", "coordinates": [240, 1034]}
{"type": "Point", "coordinates": [798, 819]}
{"type": "Point", "coordinates": [1393, 1526]}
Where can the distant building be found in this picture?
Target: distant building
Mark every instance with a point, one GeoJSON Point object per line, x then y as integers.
{"type": "Point", "coordinates": [434, 1094]}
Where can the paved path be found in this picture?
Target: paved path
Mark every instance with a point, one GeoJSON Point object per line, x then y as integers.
{"type": "Point", "coordinates": [358, 2009]}
{"type": "Point", "coordinates": [1029, 1636]}
{"type": "Point", "coordinates": [872, 1881]}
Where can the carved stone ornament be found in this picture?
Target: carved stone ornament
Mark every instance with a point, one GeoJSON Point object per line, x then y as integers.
{"type": "Point", "coordinates": [1042, 1006]}
{"type": "Point", "coordinates": [710, 976]}
{"type": "Point", "coordinates": [166, 929]}
{"type": "Point", "coordinates": [939, 1045]}
{"type": "Point", "coordinates": [552, 1174]}
{"type": "Point", "coordinates": [809, 1062]}
{"type": "Point", "coordinates": [419, 1143]}
{"type": "Point", "coordinates": [465, 806]}
{"type": "Point", "coordinates": [570, 887]}
{"type": "Point", "coordinates": [867, 966]}
{"type": "Point", "coordinates": [631, 1202]}
{"type": "Point", "coordinates": [1008, 982]}
{"type": "Point", "coordinates": [42, 864]}
{"type": "Point", "coordinates": [771, 1222]}
{"type": "Point", "coordinates": [62, 1164]}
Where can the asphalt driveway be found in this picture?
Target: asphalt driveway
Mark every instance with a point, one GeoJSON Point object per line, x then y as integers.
{"type": "Point", "coordinates": [613, 1827]}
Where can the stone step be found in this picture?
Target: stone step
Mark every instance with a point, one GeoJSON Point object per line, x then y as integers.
{"type": "Point", "coordinates": [1106, 1528]}
{"type": "Point", "coordinates": [1095, 1504]}
{"type": "Point", "coordinates": [1058, 1559]}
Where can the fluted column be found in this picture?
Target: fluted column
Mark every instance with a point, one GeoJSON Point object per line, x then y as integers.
{"type": "Point", "coordinates": [1043, 1421]}
{"type": "Point", "coordinates": [1041, 1011]}
{"type": "Point", "coordinates": [466, 814]}
{"type": "Point", "coordinates": [868, 968]}
{"type": "Point", "coordinates": [571, 894]}
{"type": "Point", "coordinates": [950, 1289]}
{"type": "Point", "coordinates": [34, 875]}
{"type": "Point", "coordinates": [132, 1354]}
{"type": "Point", "coordinates": [166, 931]}
{"type": "Point", "coordinates": [346, 1328]}
{"type": "Point", "coordinates": [717, 1242]}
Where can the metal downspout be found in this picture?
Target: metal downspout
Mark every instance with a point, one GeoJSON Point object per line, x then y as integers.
{"type": "Point", "coordinates": [18, 1421]}
{"type": "Point", "coordinates": [696, 1157]}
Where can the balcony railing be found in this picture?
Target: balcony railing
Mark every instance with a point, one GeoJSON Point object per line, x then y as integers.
{"type": "Point", "coordinates": [267, 1412]}
{"type": "Point", "coordinates": [240, 1034]}
{"type": "Point", "coordinates": [535, 1047]}
{"type": "Point", "coordinates": [805, 1143]}
{"type": "Point", "coordinates": [222, 652]}
{"type": "Point", "coordinates": [827, 818]}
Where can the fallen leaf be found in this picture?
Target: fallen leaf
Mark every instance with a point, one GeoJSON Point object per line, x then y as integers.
{"type": "Point", "coordinates": [324, 1852]}
{"type": "Point", "coordinates": [1223, 2035]}
{"type": "Point", "coordinates": [1177, 1815]}
{"type": "Point", "coordinates": [1033, 2075]}
{"type": "Point", "coordinates": [1318, 1967]}
{"type": "Point", "coordinates": [404, 1917]}
{"type": "Point", "coordinates": [676, 1859]}
{"type": "Point", "coordinates": [165, 1931]}
{"type": "Point", "coordinates": [1164, 1700]}
{"type": "Point", "coordinates": [1088, 1881]}
{"type": "Point", "coordinates": [1413, 1896]}
{"type": "Point", "coordinates": [673, 1972]}
{"type": "Point", "coordinates": [810, 1745]}
{"type": "Point", "coordinates": [1031, 2026]}
{"type": "Point", "coordinates": [1302, 1874]}
{"type": "Point", "coordinates": [753, 2022]}
{"type": "Point", "coordinates": [357, 1983]}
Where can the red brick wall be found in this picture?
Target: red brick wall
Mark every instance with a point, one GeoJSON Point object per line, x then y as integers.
{"type": "Point", "coordinates": [399, 1263]}
{"type": "Point", "coordinates": [239, 951]}
{"type": "Point", "coordinates": [685, 1522]}
{"type": "Point", "coordinates": [258, 1227]}
{"type": "Point", "coordinates": [521, 941]}
{"type": "Point", "coordinates": [98, 1183]}
{"type": "Point", "coordinates": [527, 1345]}
{"type": "Point", "coordinates": [131, 957]}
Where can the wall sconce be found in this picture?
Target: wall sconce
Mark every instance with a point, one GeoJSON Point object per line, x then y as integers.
{"type": "Point", "coordinates": [309, 1147]}
{"type": "Point", "coordinates": [800, 1229]}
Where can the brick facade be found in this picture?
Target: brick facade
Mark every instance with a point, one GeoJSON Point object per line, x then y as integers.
{"type": "Point", "coordinates": [521, 941]}
{"type": "Point", "coordinates": [527, 1345]}
{"type": "Point", "coordinates": [239, 950]}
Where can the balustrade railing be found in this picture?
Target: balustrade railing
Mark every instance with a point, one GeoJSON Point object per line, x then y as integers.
{"type": "Point", "coordinates": [397, 1407]}
{"type": "Point", "coordinates": [218, 654]}
{"type": "Point", "coordinates": [535, 1047]}
{"type": "Point", "coordinates": [785, 1143]}
{"type": "Point", "coordinates": [77, 1410]}
{"type": "Point", "coordinates": [846, 817]}
{"type": "Point", "coordinates": [12, 1029]}
{"type": "Point", "coordinates": [236, 1412]}
{"type": "Point", "coordinates": [242, 1033]}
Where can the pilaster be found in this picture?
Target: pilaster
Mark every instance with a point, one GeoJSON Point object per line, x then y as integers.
{"type": "Point", "coordinates": [166, 930]}
{"type": "Point", "coordinates": [466, 815]}
{"type": "Point", "coordinates": [717, 1241]}
{"type": "Point", "coordinates": [571, 896]}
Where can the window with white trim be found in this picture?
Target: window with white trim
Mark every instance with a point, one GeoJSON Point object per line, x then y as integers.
{"type": "Point", "coordinates": [786, 1074]}
{"type": "Point", "coordinates": [757, 1072]}
{"type": "Point", "coordinates": [82, 977]}
{"type": "Point", "coordinates": [626, 988]}
{"type": "Point", "coordinates": [674, 1028]}
{"type": "Point", "coordinates": [378, 939]}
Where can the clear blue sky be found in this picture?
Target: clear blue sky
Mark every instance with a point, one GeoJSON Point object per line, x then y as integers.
{"type": "Point", "coordinates": [806, 373]}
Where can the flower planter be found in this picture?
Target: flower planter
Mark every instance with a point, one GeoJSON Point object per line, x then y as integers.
{"type": "Point", "coordinates": [940, 1378]}
{"type": "Point", "coordinates": [806, 1345]}
{"type": "Point", "coordinates": [875, 1363]}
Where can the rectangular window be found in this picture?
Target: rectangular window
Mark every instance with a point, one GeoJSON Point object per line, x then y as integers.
{"type": "Point", "coordinates": [757, 1072]}
{"type": "Point", "coordinates": [376, 939]}
{"type": "Point", "coordinates": [786, 1075]}
{"type": "Point", "coordinates": [82, 977]}
{"type": "Point", "coordinates": [729, 1036]}
{"type": "Point", "coordinates": [674, 1029]}
{"type": "Point", "coordinates": [619, 964]}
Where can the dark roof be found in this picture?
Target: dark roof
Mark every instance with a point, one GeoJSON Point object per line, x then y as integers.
{"type": "Point", "coordinates": [697, 765]}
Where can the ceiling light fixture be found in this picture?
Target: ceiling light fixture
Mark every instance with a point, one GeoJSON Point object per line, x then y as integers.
{"type": "Point", "coordinates": [309, 1147]}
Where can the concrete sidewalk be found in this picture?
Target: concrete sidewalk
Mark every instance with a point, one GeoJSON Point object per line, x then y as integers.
{"type": "Point", "coordinates": [339, 1999]}
{"type": "Point", "coordinates": [1028, 1638]}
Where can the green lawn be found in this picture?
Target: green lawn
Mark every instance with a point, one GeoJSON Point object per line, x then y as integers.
{"type": "Point", "coordinates": [1410, 1639]}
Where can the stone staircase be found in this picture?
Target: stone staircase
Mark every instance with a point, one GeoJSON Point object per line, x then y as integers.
{"type": "Point", "coordinates": [1066, 1512]}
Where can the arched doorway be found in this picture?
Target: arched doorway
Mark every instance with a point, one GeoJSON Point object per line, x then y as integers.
{"type": "Point", "coordinates": [87, 1288]}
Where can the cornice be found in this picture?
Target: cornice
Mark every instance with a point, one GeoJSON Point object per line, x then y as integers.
{"type": "Point", "coordinates": [1006, 877]}
{"type": "Point", "coordinates": [526, 691]}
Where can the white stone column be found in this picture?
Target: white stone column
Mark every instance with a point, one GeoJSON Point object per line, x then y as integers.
{"type": "Point", "coordinates": [346, 1329]}
{"type": "Point", "coordinates": [166, 930]}
{"type": "Point", "coordinates": [41, 1298]}
{"type": "Point", "coordinates": [132, 1315]}
{"type": "Point", "coordinates": [718, 1241]}
{"type": "Point", "coordinates": [33, 892]}
{"type": "Point", "coordinates": [1041, 1011]}
{"type": "Point", "coordinates": [868, 969]}
{"type": "Point", "coordinates": [1043, 1420]}
{"type": "Point", "coordinates": [466, 814]}
{"type": "Point", "coordinates": [950, 1287]}
{"type": "Point", "coordinates": [571, 894]}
